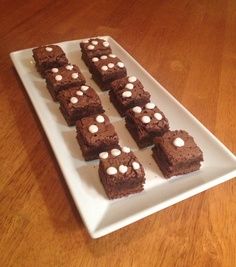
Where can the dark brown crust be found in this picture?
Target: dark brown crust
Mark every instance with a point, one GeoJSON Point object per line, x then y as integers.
{"type": "Point", "coordinates": [86, 61]}
{"type": "Point", "coordinates": [92, 144]}
{"type": "Point", "coordinates": [99, 48]}
{"type": "Point", "coordinates": [121, 184]}
{"type": "Point", "coordinates": [52, 93]}
{"type": "Point", "coordinates": [113, 192]}
{"type": "Point", "coordinates": [139, 96]}
{"type": "Point", "coordinates": [71, 121]}
{"type": "Point", "coordinates": [141, 142]}
{"type": "Point", "coordinates": [104, 86]}
{"type": "Point", "coordinates": [55, 87]}
{"type": "Point", "coordinates": [118, 107]}
{"type": "Point", "coordinates": [143, 134]}
{"type": "Point", "coordinates": [47, 60]}
{"type": "Point", "coordinates": [90, 152]}
{"type": "Point", "coordinates": [167, 172]}
{"type": "Point", "coordinates": [178, 155]}
{"type": "Point", "coordinates": [174, 160]}
{"type": "Point", "coordinates": [112, 73]}
{"type": "Point", "coordinates": [88, 104]}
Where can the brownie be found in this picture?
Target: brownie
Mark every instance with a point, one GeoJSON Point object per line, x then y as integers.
{"type": "Point", "coordinates": [47, 57]}
{"type": "Point", "coordinates": [120, 173]}
{"type": "Point", "coordinates": [78, 102]}
{"type": "Point", "coordinates": [106, 69]}
{"type": "Point", "coordinates": [95, 134]}
{"type": "Point", "coordinates": [126, 93]}
{"type": "Point", "coordinates": [176, 153]}
{"type": "Point", "coordinates": [94, 47]}
{"type": "Point", "coordinates": [91, 62]}
{"type": "Point", "coordinates": [61, 78]}
{"type": "Point", "coordinates": [144, 123]}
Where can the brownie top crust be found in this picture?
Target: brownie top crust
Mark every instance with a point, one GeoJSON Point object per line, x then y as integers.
{"type": "Point", "coordinates": [61, 76]}
{"type": "Point", "coordinates": [46, 54]}
{"type": "Point", "coordinates": [178, 147]}
{"type": "Point", "coordinates": [107, 65]}
{"type": "Point", "coordinates": [127, 89]}
{"type": "Point", "coordinates": [121, 165]}
{"type": "Point", "coordinates": [78, 97]}
{"type": "Point", "coordinates": [150, 118]}
{"type": "Point", "coordinates": [96, 130]}
{"type": "Point", "coordinates": [95, 47]}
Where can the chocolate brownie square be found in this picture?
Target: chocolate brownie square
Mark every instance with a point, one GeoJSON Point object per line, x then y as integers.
{"type": "Point", "coordinates": [78, 102]}
{"type": "Point", "coordinates": [61, 78]}
{"type": "Point", "coordinates": [144, 123]}
{"type": "Point", "coordinates": [126, 93]}
{"type": "Point", "coordinates": [176, 153]}
{"type": "Point", "coordinates": [106, 69]}
{"type": "Point", "coordinates": [95, 134]}
{"type": "Point", "coordinates": [94, 47]}
{"type": "Point", "coordinates": [120, 173]}
{"type": "Point", "coordinates": [47, 57]}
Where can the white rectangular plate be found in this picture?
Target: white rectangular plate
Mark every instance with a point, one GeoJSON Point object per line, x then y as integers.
{"type": "Point", "coordinates": [100, 215]}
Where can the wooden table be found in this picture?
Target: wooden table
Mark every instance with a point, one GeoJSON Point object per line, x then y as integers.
{"type": "Point", "coordinates": [189, 46]}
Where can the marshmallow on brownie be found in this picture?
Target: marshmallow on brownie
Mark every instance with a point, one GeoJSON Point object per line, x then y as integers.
{"type": "Point", "coordinates": [120, 172]}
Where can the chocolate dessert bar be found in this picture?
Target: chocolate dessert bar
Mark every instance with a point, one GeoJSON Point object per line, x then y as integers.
{"type": "Point", "coordinates": [120, 173]}
{"type": "Point", "coordinates": [78, 102]}
{"type": "Point", "coordinates": [94, 47]}
{"type": "Point", "coordinates": [144, 123]}
{"type": "Point", "coordinates": [176, 153]}
{"type": "Point", "coordinates": [47, 57]}
{"type": "Point", "coordinates": [95, 134]}
{"type": "Point", "coordinates": [106, 69]}
{"type": "Point", "coordinates": [126, 93]}
{"type": "Point", "coordinates": [61, 78]}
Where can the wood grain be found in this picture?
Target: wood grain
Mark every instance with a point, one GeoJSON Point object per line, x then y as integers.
{"type": "Point", "coordinates": [189, 46]}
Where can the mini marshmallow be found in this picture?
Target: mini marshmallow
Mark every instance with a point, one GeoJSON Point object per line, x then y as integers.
{"type": "Point", "coordinates": [58, 78]}
{"type": "Point", "coordinates": [49, 49]}
{"type": "Point", "coordinates": [146, 119]}
{"type": "Point", "coordinates": [115, 152]}
{"type": "Point", "coordinates": [106, 44]}
{"type": "Point", "coordinates": [178, 142]}
{"type": "Point", "coordinates": [74, 100]}
{"type": "Point", "coordinates": [103, 155]}
{"type": "Point", "coordinates": [91, 47]}
{"type": "Point", "coordinates": [75, 75]}
{"type": "Point", "coordinates": [95, 59]}
{"type": "Point", "coordinates": [111, 171]}
{"type": "Point", "coordinates": [135, 165]}
{"type": "Point", "coordinates": [55, 70]}
{"type": "Point", "coordinates": [123, 169]}
{"type": "Point", "coordinates": [84, 88]}
{"type": "Point", "coordinates": [137, 109]}
{"type": "Point", "coordinates": [158, 116]}
{"type": "Point", "coordinates": [125, 149]}
{"type": "Point", "coordinates": [129, 86]}
{"type": "Point", "coordinates": [150, 105]}
{"type": "Point", "coordinates": [93, 128]}
{"type": "Point", "coordinates": [69, 67]}
{"type": "Point", "coordinates": [100, 119]}
{"type": "Point", "coordinates": [79, 93]}
{"type": "Point", "coordinates": [104, 68]}
{"type": "Point", "coordinates": [127, 94]}
{"type": "Point", "coordinates": [132, 79]}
